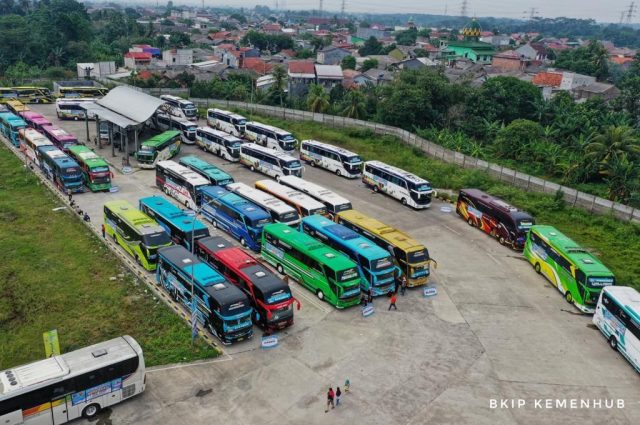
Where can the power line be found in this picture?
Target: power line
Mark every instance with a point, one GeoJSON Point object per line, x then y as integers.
{"type": "Point", "coordinates": [631, 12]}
{"type": "Point", "coordinates": [342, 7]}
{"type": "Point", "coordinates": [320, 7]}
{"type": "Point", "coordinates": [532, 13]}
{"type": "Point", "coordinates": [464, 8]}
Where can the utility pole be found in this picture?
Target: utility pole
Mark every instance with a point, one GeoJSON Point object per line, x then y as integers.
{"type": "Point", "coordinates": [320, 7]}
{"type": "Point", "coordinates": [342, 7]}
{"type": "Point", "coordinates": [446, 6]}
{"type": "Point", "coordinates": [631, 12]}
{"type": "Point", "coordinates": [621, 17]}
{"type": "Point", "coordinates": [464, 8]}
{"type": "Point", "coordinates": [531, 13]}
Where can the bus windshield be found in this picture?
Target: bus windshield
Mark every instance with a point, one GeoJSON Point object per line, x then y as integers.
{"type": "Point", "coordinates": [599, 282]}
{"type": "Point", "coordinates": [147, 149]}
{"type": "Point", "coordinates": [292, 164]}
{"type": "Point", "coordinates": [239, 122]}
{"type": "Point", "coordinates": [524, 225]}
{"type": "Point", "coordinates": [346, 275]}
{"type": "Point", "coordinates": [276, 295]}
{"type": "Point", "coordinates": [258, 223]}
{"type": "Point", "coordinates": [381, 263]}
{"type": "Point", "coordinates": [287, 217]}
{"type": "Point", "coordinates": [156, 239]}
{"type": "Point", "coordinates": [420, 187]}
{"type": "Point", "coordinates": [417, 256]}
{"type": "Point", "coordinates": [234, 144]}
{"type": "Point", "coordinates": [191, 128]}
{"type": "Point", "coordinates": [239, 322]}
{"type": "Point", "coordinates": [70, 173]}
{"type": "Point", "coordinates": [190, 110]}
{"type": "Point", "coordinates": [353, 160]}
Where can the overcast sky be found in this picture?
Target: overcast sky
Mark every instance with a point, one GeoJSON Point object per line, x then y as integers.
{"type": "Point", "coordinates": [601, 10]}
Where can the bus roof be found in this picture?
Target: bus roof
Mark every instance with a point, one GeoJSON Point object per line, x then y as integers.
{"type": "Point", "coordinates": [315, 249]}
{"type": "Point", "coordinates": [259, 275]}
{"type": "Point", "coordinates": [221, 134]}
{"type": "Point", "coordinates": [177, 216]}
{"type": "Point", "coordinates": [59, 157]}
{"type": "Point", "coordinates": [191, 176]}
{"type": "Point", "coordinates": [627, 297]}
{"type": "Point", "coordinates": [43, 372]}
{"type": "Point", "coordinates": [272, 152]}
{"type": "Point", "coordinates": [30, 115]}
{"type": "Point", "coordinates": [392, 235]}
{"type": "Point", "coordinates": [35, 136]}
{"type": "Point", "coordinates": [261, 198]}
{"type": "Point", "coordinates": [86, 155]}
{"type": "Point", "coordinates": [229, 113]}
{"type": "Point", "coordinates": [583, 259]}
{"type": "Point", "coordinates": [235, 202]}
{"type": "Point", "coordinates": [268, 127]}
{"type": "Point", "coordinates": [286, 192]}
{"type": "Point", "coordinates": [59, 133]}
{"type": "Point", "coordinates": [161, 138]}
{"type": "Point", "coordinates": [185, 122]}
{"type": "Point", "coordinates": [179, 100]}
{"type": "Point", "coordinates": [329, 147]}
{"type": "Point", "coordinates": [205, 168]}
{"type": "Point", "coordinates": [136, 218]}
{"type": "Point", "coordinates": [214, 243]}
{"type": "Point", "coordinates": [350, 239]}
{"type": "Point", "coordinates": [496, 203]}
{"type": "Point", "coordinates": [397, 171]}
{"type": "Point", "coordinates": [316, 191]}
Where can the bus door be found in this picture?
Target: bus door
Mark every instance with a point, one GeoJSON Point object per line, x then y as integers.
{"type": "Point", "coordinates": [59, 411]}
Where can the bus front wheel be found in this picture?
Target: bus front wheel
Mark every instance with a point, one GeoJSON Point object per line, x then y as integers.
{"type": "Point", "coordinates": [404, 201]}
{"type": "Point", "coordinates": [376, 189]}
{"type": "Point", "coordinates": [280, 269]}
{"type": "Point", "coordinates": [501, 240]}
{"type": "Point", "coordinates": [338, 173]}
{"type": "Point", "coordinates": [470, 221]}
{"type": "Point", "coordinates": [215, 223]}
{"type": "Point", "coordinates": [320, 295]}
{"type": "Point", "coordinates": [243, 242]}
{"type": "Point", "coordinates": [278, 178]}
{"type": "Point", "coordinates": [568, 297]}
{"type": "Point", "coordinates": [537, 268]}
{"type": "Point", "coordinates": [252, 168]}
{"type": "Point", "coordinates": [613, 343]}
{"type": "Point", "coordinates": [90, 411]}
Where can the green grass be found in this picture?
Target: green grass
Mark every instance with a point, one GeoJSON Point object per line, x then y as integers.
{"type": "Point", "coordinates": [55, 274]}
{"type": "Point", "coordinates": [617, 243]}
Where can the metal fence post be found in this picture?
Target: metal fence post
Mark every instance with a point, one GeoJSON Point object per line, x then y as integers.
{"type": "Point", "coordinates": [501, 170]}
{"type": "Point", "coordinates": [528, 183]}
{"type": "Point", "coordinates": [631, 215]}
{"type": "Point", "coordinates": [576, 199]}
{"type": "Point", "coordinates": [593, 204]}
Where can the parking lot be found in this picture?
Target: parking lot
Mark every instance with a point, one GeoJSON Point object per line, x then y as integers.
{"type": "Point", "coordinates": [496, 330]}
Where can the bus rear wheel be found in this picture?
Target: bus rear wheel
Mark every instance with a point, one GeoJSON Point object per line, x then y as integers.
{"type": "Point", "coordinates": [252, 168]}
{"type": "Point", "coordinates": [501, 240]}
{"type": "Point", "coordinates": [537, 268]}
{"type": "Point", "coordinates": [243, 242]}
{"type": "Point", "coordinates": [90, 411]}
{"type": "Point", "coordinates": [215, 223]}
{"type": "Point", "coordinates": [613, 343]}
{"type": "Point", "coordinates": [280, 269]}
{"type": "Point", "coordinates": [470, 221]}
{"type": "Point", "coordinates": [404, 201]}
{"type": "Point", "coordinates": [376, 189]}
{"type": "Point", "coordinates": [568, 297]}
{"type": "Point", "coordinates": [278, 178]}
{"type": "Point", "coordinates": [338, 173]}
{"type": "Point", "coordinates": [320, 295]}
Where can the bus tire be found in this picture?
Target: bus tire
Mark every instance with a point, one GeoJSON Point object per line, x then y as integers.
{"type": "Point", "coordinates": [536, 267]}
{"type": "Point", "coordinates": [470, 221]}
{"type": "Point", "coordinates": [280, 269]}
{"type": "Point", "coordinates": [613, 343]}
{"type": "Point", "coordinates": [215, 223]}
{"type": "Point", "coordinates": [313, 163]}
{"type": "Point", "coordinates": [278, 178]}
{"type": "Point", "coordinates": [243, 242]}
{"type": "Point", "coordinates": [338, 173]}
{"type": "Point", "coordinates": [376, 189]}
{"type": "Point", "coordinates": [252, 168]}
{"type": "Point", "coordinates": [320, 295]}
{"type": "Point", "coordinates": [90, 411]}
{"type": "Point", "coordinates": [501, 240]}
{"type": "Point", "coordinates": [404, 201]}
{"type": "Point", "coordinates": [568, 297]}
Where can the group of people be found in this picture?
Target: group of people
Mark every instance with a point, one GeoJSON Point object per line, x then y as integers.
{"type": "Point", "coordinates": [400, 284]}
{"type": "Point", "coordinates": [334, 397]}
{"type": "Point", "coordinates": [76, 208]}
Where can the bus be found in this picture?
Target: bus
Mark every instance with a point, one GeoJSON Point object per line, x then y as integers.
{"type": "Point", "coordinates": [34, 119]}
{"type": "Point", "coordinates": [61, 169]}
{"type": "Point", "coordinates": [8, 94]}
{"type": "Point", "coordinates": [267, 161]}
{"type": "Point", "coordinates": [186, 128]}
{"type": "Point", "coordinates": [76, 384]}
{"type": "Point", "coordinates": [180, 183]}
{"type": "Point", "coordinates": [96, 172]}
{"type": "Point", "coordinates": [182, 227]}
{"type": "Point", "coordinates": [270, 296]}
{"type": "Point", "coordinates": [158, 148]}
{"type": "Point", "coordinates": [216, 176]}
{"type": "Point", "coordinates": [17, 107]}
{"type": "Point", "coordinates": [71, 109]}
{"type": "Point", "coordinates": [408, 188]}
{"type": "Point", "coordinates": [375, 265]}
{"type": "Point", "coordinates": [324, 271]}
{"type": "Point", "coordinates": [332, 158]}
{"type": "Point", "coordinates": [60, 137]}
{"type": "Point", "coordinates": [411, 256]}
{"type": "Point", "coordinates": [305, 205]}
{"type": "Point", "coordinates": [81, 92]}
{"type": "Point", "coordinates": [219, 306]}
{"type": "Point", "coordinates": [186, 106]}
{"type": "Point", "coordinates": [137, 233]}
{"type": "Point", "coordinates": [618, 318]}
{"type": "Point", "coordinates": [226, 121]}
{"type": "Point", "coordinates": [30, 141]}
{"type": "Point", "coordinates": [577, 273]}
{"type": "Point", "coordinates": [334, 202]}
{"type": "Point", "coordinates": [218, 142]}
{"type": "Point", "coordinates": [30, 94]}
{"type": "Point", "coordinates": [270, 137]}
{"type": "Point", "coordinates": [240, 218]}
{"type": "Point", "coordinates": [280, 212]}
{"type": "Point", "coordinates": [10, 125]}
{"type": "Point", "coordinates": [495, 217]}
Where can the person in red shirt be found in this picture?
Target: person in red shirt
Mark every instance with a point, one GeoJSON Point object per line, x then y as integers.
{"type": "Point", "coordinates": [392, 301]}
{"type": "Point", "coordinates": [330, 396]}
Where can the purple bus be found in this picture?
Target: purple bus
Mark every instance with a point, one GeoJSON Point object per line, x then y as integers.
{"type": "Point", "coordinates": [34, 119]}
{"type": "Point", "coordinates": [59, 137]}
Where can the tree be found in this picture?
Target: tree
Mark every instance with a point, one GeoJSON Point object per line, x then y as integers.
{"type": "Point", "coordinates": [179, 39]}
{"type": "Point", "coordinates": [614, 145]}
{"type": "Point", "coordinates": [279, 82]}
{"type": "Point", "coordinates": [369, 64]}
{"type": "Point", "coordinates": [317, 99]}
{"type": "Point", "coordinates": [354, 105]}
{"type": "Point", "coordinates": [589, 60]}
{"type": "Point", "coordinates": [407, 38]}
{"type": "Point", "coordinates": [371, 47]}
{"type": "Point", "coordinates": [348, 62]}
{"type": "Point", "coordinates": [621, 176]}
{"type": "Point", "coordinates": [518, 140]}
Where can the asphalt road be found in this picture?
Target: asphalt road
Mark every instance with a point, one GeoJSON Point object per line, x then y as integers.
{"type": "Point", "coordinates": [496, 330]}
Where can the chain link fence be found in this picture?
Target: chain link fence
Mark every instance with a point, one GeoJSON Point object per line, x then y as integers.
{"type": "Point", "coordinates": [591, 203]}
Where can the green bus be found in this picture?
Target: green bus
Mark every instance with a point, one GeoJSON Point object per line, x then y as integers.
{"type": "Point", "coordinates": [95, 170]}
{"type": "Point", "coordinates": [158, 148]}
{"type": "Point", "coordinates": [577, 273]}
{"type": "Point", "coordinates": [135, 232]}
{"type": "Point", "coordinates": [216, 176]}
{"type": "Point", "coordinates": [330, 275]}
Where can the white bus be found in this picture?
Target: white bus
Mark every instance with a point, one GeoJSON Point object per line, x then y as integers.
{"type": "Point", "coordinates": [180, 183]}
{"type": "Point", "coordinates": [268, 161]}
{"type": "Point", "coordinates": [618, 318]}
{"type": "Point", "coordinates": [408, 188]}
{"type": "Point", "coordinates": [71, 109]}
{"type": "Point", "coordinates": [280, 212]}
{"type": "Point", "coordinates": [270, 137]}
{"type": "Point", "coordinates": [334, 202]}
{"type": "Point", "coordinates": [62, 388]}
{"type": "Point", "coordinates": [226, 121]}
{"type": "Point", "coordinates": [30, 140]}
{"type": "Point", "coordinates": [218, 142]}
{"type": "Point", "coordinates": [335, 159]}
{"type": "Point", "coordinates": [305, 205]}
{"type": "Point", "coordinates": [186, 106]}
{"type": "Point", "coordinates": [164, 122]}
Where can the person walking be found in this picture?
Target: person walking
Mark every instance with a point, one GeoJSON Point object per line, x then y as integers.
{"type": "Point", "coordinates": [403, 285]}
{"type": "Point", "coordinates": [392, 301]}
{"type": "Point", "coordinates": [338, 396]}
{"type": "Point", "coordinates": [70, 195]}
{"type": "Point", "coordinates": [330, 396]}
{"type": "Point", "coordinates": [347, 385]}
{"type": "Point", "coordinates": [370, 294]}
{"type": "Point", "coordinates": [104, 236]}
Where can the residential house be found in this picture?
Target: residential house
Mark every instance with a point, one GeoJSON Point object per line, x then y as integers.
{"type": "Point", "coordinates": [366, 33]}
{"type": "Point", "coordinates": [272, 28]}
{"type": "Point", "coordinates": [353, 79]}
{"type": "Point", "coordinates": [497, 40]}
{"type": "Point", "coordinates": [332, 55]}
{"type": "Point", "coordinates": [571, 81]}
{"type": "Point", "coordinates": [250, 52]}
{"type": "Point", "coordinates": [256, 65]}
{"type": "Point", "coordinates": [384, 61]}
{"type": "Point", "coordinates": [137, 60]}
{"type": "Point", "coordinates": [328, 76]}
{"type": "Point", "coordinates": [415, 63]}
{"type": "Point", "coordinates": [603, 90]}
{"type": "Point", "coordinates": [265, 82]}
{"type": "Point", "coordinates": [533, 51]}
{"type": "Point", "coordinates": [552, 81]}
{"type": "Point", "coordinates": [510, 60]}
{"type": "Point", "coordinates": [178, 57]}
{"type": "Point", "coordinates": [301, 75]}
{"type": "Point", "coordinates": [95, 69]}
{"type": "Point", "coordinates": [379, 76]}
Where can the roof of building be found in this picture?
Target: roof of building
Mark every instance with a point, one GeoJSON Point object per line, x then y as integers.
{"type": "Point", "coordinates": [474, 45]}
{"type": "Point", "coordinates": [509, 54]}
{"type": "Point", "coordinates": [547, 79]}
{"type": "Point", "coordinates": [472, 29]}
{"type": "Point", "coordinates": [257, 65]}
{"type": "Point", "coordinates": [125, 106]}
{"type": "Point", "coordinates": [302, 67]}
{"type": "Point", "coordinates": [620, 60]}
{"type": "Point", "coordinates": [350, 73]}
{"type": "Point", "coordinates": [597, 87]}
{"type": "Point", "coordinates": [138, 55]}
{"type": "Point", "coordinates": [329, 72]}
{"type": "Point", "coordinates": [220, 35]}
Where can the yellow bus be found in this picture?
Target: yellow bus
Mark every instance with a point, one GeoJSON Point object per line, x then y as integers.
{"type": "Point", "coordinates": [16, 106]}
{"type": "Point", "coordinates": [411, 256]}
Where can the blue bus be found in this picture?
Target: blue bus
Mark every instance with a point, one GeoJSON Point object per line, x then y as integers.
{"type": "Point", "coordinates": [10, 125]}
{"type": "Point", "coordinates": [61, 169]}
{"type": "Point", "coordinates": [179, 224]}
{"type": "Point", "coordinates": [375, 264]}
{"type": "Point", "coordinates": [235, 215]}
{"type": "Point", "coordinates": [216, 176]}
{"type": "Point", "coordinates": [220, 307]}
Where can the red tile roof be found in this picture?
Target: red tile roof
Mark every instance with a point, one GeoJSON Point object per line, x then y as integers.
{"type": "Point", "coordinates": [547, 79]}
{"type": "Point", "coordinates": [221, 35]}
{"type": "Point", "coordinates": [138, 55]}
{"type": "Point", "coordinates": [257, 65]}
{"type": "Point", "coordinates": [301, 67]}
{"type": "Point", "coordinates": [271, 27]}
{"type": "Point", "coordinates": [620, 60]}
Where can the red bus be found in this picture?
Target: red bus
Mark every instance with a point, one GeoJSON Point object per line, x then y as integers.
{"type": "Point", "coordinates": [495, 217]}
{"type": "Point", "coordinates": [271, 296]}
{"type": "Point", "coordinates": [59, 137]}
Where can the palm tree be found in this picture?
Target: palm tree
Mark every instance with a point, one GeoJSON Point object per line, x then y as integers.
{"type": "Point", "coordinates": [56, 55]}
{"type": "Point", "coordinates": [614, 144]}
{"type": "Point", "coordinates": [355, 105]}
{"type": "Point", "coordinates": [317, 99]}
{"type": "Point", "coordinates": [621, 176]}
{"type": "Point", "coordinates": [279, 81]}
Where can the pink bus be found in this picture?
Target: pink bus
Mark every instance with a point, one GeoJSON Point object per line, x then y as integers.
{"type": "Point", "coordinates": [59, 137]}
{"type": "Point", "coordinates": [34, 119]}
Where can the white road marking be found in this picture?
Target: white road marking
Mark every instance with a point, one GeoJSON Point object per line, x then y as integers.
{"type": "Point", "coordinates": [495, 260]}
{"type": "Point", "coordinates": [452, 230]}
